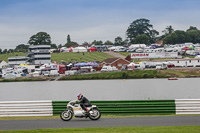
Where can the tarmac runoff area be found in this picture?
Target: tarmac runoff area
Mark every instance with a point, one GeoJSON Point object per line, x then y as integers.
{"type": "Point", "coordinates": [103, 122]}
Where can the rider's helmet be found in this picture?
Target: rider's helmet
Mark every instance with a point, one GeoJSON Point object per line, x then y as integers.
{"type": "Point", "coordinates": [79, 96]}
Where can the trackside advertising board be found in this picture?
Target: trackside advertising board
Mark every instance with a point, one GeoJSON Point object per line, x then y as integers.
{"type": "Point", "coordinates": [154, 55]}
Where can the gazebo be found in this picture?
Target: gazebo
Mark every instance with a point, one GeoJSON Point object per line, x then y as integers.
{"type": "Point", "coordinates": [93, 49]}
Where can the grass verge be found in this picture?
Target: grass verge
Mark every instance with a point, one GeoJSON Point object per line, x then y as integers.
{"type": "Point", "coordinates": [140, 74]}
{"type": "Point", "coordinates": [118, 75]}
{"type": "Point", "coordinates": [167, 129]}
{"type": "Point", "coordinates": [25, 79]}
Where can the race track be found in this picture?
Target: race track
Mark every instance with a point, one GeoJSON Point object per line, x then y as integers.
{"type": "Point", "coordinates": [103, 122]}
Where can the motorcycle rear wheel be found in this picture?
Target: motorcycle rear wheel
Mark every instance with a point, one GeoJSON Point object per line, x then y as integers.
{"type": "Point", "coordinates": [94, 114]}
{"type": "Point", "coordinates": [66, 115]}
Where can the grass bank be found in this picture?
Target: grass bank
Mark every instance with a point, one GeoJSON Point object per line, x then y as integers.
{"type": "Point", "coordinates": [25, 79]}
{"type": "Point", "coordinates": [118, 75]}
{"type": "Point", "coordinates": [86, 57]}
{"type": "Point", "coordinates": [5, 56]}
{"type": "Point", "coordinates": [140, 74]}
{"type": "Point", "coordinates": [66, 57]}
{"type": "Point", "coordinates": [167, 129]}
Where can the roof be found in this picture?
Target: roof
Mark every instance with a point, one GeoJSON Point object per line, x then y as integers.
{"type": "Point", "coordinates": [111, 60]}
{"type": "Point", "coordinates": [185, 59]}
{"type": "Point", "coordinates": [39, 46]}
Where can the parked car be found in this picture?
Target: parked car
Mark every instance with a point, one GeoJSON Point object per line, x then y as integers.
{"type": "Point", "coordinates": [139, 50]}
{"type": "Point", "coordinates": [120, 50]}
{"type": "Point", "coordinates": [83, 70]}
{"type": "Point", "coordinates": [131, 50]}
{"type": "Point", "coordinates": [75, 68]}
{"type": "Point", "coordinates": [123, 50]}
{"type": "Point", "coordinates": [46, 73]}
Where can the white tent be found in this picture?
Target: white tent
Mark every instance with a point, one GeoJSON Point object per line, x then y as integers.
{"type": "Point", "coordinates": [3, 64]}
{"type": "Point", "coordinates": [79, 49]}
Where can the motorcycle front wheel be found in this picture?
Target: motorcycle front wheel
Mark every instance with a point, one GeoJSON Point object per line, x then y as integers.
{"type": "Point", "coordinates": [94, 114]}
{"type": "Point", "coordinates": [66, 115]}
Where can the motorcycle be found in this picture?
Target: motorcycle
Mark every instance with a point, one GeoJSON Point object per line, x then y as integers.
{"type": "Point", "coordinates": [77, 111]}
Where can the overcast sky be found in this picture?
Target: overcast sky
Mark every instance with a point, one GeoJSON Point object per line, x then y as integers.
{"type": "Point", "coordinates": [88, 20]}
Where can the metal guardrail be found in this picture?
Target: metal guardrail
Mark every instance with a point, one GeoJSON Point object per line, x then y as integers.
{"type": "Point", "coordinates": [187, 106]}
{"type": "Point", "coordinates": [136, 107]}
{"type": "Point", "coordinates": [26, 108]}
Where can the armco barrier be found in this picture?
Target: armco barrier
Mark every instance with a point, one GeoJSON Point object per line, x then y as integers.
{"type": "Point", "coordinates": [187, 106]}
{"type": "Point", "coordinates": [26, 108]}
{"type": "Point", "coordinates": [136, 107]}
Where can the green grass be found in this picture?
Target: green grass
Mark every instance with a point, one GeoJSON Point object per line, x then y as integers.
{"type": "Point", "coordinates": [5, 56]}
{"type": "Point", "coordinates": [166, 129]}
{"type": "Point", "coordinates": [118, 75]}
{"type": "Point", "coordinates": [71, 57]}
{"type": "Point", "coordinates": [66, 57]}
{"type": "Point", "coordinates": [25, 79]}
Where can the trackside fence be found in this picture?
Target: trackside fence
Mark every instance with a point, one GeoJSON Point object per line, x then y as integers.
{"type": "Point", "coordinates": [135, 107]}
{"type": "Point", "coordinates": [187, 106]}
{"type": "Point", "coordinates": [26, 108]}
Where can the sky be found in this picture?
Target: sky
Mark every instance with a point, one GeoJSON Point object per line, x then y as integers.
{"type": "Point", "coordinates": [89, 20]}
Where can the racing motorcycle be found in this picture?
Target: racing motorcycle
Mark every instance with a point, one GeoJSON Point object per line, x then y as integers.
{"type": "Point", "coordinates": [77, 111]}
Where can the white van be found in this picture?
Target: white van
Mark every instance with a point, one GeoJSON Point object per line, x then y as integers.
{"type": "Point", "coordinates": [161, 65]}
{"type": "Point", "coordinates": [133, 66]}
{"type": "Point", "coordinates": [108, 69]}
{"type": "Point", "coordinates": [54, 73]}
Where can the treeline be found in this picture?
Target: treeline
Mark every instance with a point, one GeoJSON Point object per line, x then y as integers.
{"type": "Point", "coordinates": [139, 31]}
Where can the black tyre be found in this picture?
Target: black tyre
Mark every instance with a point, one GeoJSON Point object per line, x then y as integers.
{"type": "Point", "coordinates": [66, 115]}
{"type": "Point", "coordinates": [94, 114]}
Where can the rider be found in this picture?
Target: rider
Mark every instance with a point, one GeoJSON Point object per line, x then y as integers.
{"type": "Point", "coordinates": [84, 102]}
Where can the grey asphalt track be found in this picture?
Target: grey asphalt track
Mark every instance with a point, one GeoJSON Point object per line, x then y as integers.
{"type": "Point", "coordinates": [103, 122]}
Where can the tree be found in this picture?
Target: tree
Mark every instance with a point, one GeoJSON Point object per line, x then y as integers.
{"type": "Point", "coordinates": [53, 46]}
{"type": "Point", "coordinates": [141, 39]}
{"type": "Point", "coordinates": [168, 30]}
{"type": "Point", "coordinates": [95, 42]}
{"type": "Point", "coordinates": [68, 39]}
{"type": "Point", "coordinates": [118, 41]}
{"type": "Point", "coordinates": [193, 36]}
{"type": "Point", "coordinates": [141, 26]}
{"type": "Point", "coordinates": [192, 28]}
{"type": "Point", "coordinates": [5, 51]}
{"type": "Point", "coordinates": [85, 43]}
{"type": "Point", "coordinates": [176, 37]}
{"type": "Point", "coordinates": [0, 51]}
{"type": "Point", "coordinates": [41, 38]}
{"type": "Point", "coordinates": [21, 48]}
{"type": "Point", "coordinates": [60, 46]}
{"type": "Point", "coordinates": [108, 43]}
{"type": "Point", "coordinates": [70, 44]}
{"type": "Point", "coordinates": [153, 36]}
{"type": "Point", "coordinates": [10, 50]}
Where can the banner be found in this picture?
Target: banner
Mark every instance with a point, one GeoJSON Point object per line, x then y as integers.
{"type": "Point", "coordinates": [154, 55]}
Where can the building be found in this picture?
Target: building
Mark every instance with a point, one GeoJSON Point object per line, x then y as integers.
{"type": "Point", "coordinates": [186, 62]}
{"type": "Point", "coordinates": [117, 62]}
{"type": "Point", "coordinates": [17, 60]}
{"type": "Point", "coordinates": [39, 54]}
